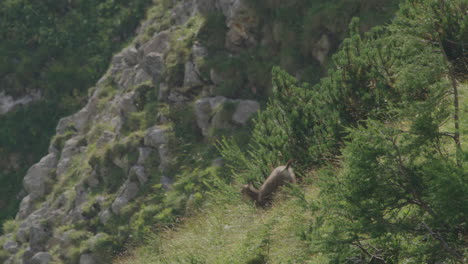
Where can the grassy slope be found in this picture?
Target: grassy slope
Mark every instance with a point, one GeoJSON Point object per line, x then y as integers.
{"type": "Point", "coordinates": [234, 232]}
{"type": "Point", "coordinates": [229, 230]}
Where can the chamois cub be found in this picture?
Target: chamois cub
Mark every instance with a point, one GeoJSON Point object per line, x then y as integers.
{"type": "Point", "coordinates": [278, 177]}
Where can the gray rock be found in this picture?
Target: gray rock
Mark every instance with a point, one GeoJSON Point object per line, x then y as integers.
{"type": "Point", "coordinates": [70, 149]}
{"type": "Point", "coordinates": [22, 235]}
{"type": "Point", "coordinates": [139, 172]}
{"type": "Point", "coordinates": [105, 216]}
{"type": "Point", "coordinates": [216, 78]}
{"type": "Point", "coordinates": [8, 103]}
{"type": "Point", "coordinates": [27, 206]}
{"type": "Point", "coordinates": [166, 182]}
{"type": "Point", "coordinates": [37, 179]}
{"type": "Point", "coordinates": [27, 255]}
{"type": "Point", "coordinates": [177, 97]}
{"type": "Point", "coordinates": [321, 48]}
{"type": "Point", "coordinates": [141, 76]}
{"type": "Point", "coordinates": [38, 236]}
{"type": "Point", "coordinates": [182, 12]}
{"type": "Point", "coordinates": [10, 246]}
{"type": "Point", "coordinates": [191, 76]}
{"type": "Point", "coordinates": [218, 162]}
{"type": "Point", "coordinates": [160, 43]}
{"type": "Point", "coordinates": [127, 193]}
{"type": "Point", "coordinates": [106, 137]}
{"type": "Point", "coordinates": [204, 108]}
{"type": "Point", "coordinates": [244, 111]}
{"type": "Point", "coordinates": [153, 63]}
{"type": "Point", "coordinates": [80, 195]}
{"type": "Point", "coordinates": [93, 180]}
{"type": "Point", "coordinates": [121, 162]}
{"type": "Point", "coordinates": [242, 22]}
{"type": "Point", "coordinates": [130, 56]}
{"type": "Point", "coordinates": [80, 119]}
{"type": "Point", "coordinates": [164, 157]}
{"type": "Point", "coordinates": [211, 115]}
{"type": "Point", "coordinates": [199, 51]}
{"type": "Point", "coordinates": [143, 154]}
{"type": "Point", "coordinates": [156, 136]}
{"type": "Point", "coordinates": [126, 103]}
{"type": "Point", "coordinates": [34, 228]}
{"type": "Point", "coordinates": [10, 260]}
{"type": "Point", "coordinates": [226, 7]}
{"type": "Point", "coordinates": [41, 258]}
{"type": "Point", "coordinates": [204, 7]}
{"type": "Point", "coordinates": [87, 259]}
{"type": "Point", "coordinates": [163, 92]}
{"type": "Point", "coordinates": [132, 77]}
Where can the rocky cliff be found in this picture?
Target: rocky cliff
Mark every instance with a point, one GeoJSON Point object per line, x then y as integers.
{"type": "Point", "coordinates": [136, 155]}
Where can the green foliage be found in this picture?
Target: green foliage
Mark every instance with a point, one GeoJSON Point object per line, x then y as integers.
{"type": "Point", "coordinates": [10, 226]}
{"type": "Point", "coordinates": [400, 194]}
{"type": "Point", "coordinates": [393, 192]}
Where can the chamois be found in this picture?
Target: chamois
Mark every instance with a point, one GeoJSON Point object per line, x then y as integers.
{"type": "Point", "coordinates": [278, 177]}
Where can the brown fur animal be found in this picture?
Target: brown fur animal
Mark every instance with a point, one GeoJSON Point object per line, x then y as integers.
{"type": "Point", "coordinates": [278, 177]}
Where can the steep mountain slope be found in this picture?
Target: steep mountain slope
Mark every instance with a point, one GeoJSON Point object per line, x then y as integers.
{"type": "Point", "coordinates": [379, 147]}
{"type": "Point", "coordinates": [140, 153]}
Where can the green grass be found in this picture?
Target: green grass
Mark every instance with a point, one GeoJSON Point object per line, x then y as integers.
{"type": "Point", "coordinates": [230, 230]}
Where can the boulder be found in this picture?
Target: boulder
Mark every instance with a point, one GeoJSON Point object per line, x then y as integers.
{"type": "Point", "coordinates": [163, 92]}
{"type": "Point", "coordinates": [8, 103]}
{"type": "Point", "coordinates": [87, 259]}
{"type": "Point", "coordinates": [141, 76]}
{"type": "Point", "coordinates": [41, 258]}
{"type": "Point", "coordinates": [10, 246]}
{"type": "Point", "coordinates": [182, 12]}
{"type": "Point", "coordinates": [80, 119]}
{"type": "Point", "coordinates": [125, 103]}
{"type": "Point", "coordinates": [70, 149]}
{"type": "Point", "coordinates": [160, 43]}
{"type": "Point", "coordinates": [177, 97]}
{"type": "Point", "coordinates": [210, 113]}
{"type": "Point", "coordinates": [26, 207]}
{"type": "Point", "coordinates": [244, 111]}
{"type": "Point", "coordinates": [156, 136]}
{"type": "Point", "coordinates": [192, 76]}
{"type": "Point", "coordinates": [27, 255]}
{"type": "Point", "coordinates": [143, 154]}
{"type": "Point", "coordinates": [321, 48]}
{"type": "Point", "coordinates": [105, 216]}
{"type": "Point", "coordinates": [242, 22]}
{"type": "Point", "coordinates": [128, 191]}
{"type": "Point", "coordinates": [132, 77]}
{"type": "Point", "coordinates": [139, 173]}
{"type": "Point", "coordinates": [204, 108]}
{"type": "Point", "coordinates": [130, 56]}
{"type": "Point", "coordinates": [215, 77]}
{"type": "Point", "coordinates": [153, 63]}
{"type": "Point", "coordinates": [106, 137]}
{"type": "Point", "coordinates": [38, 235]}
{"type": "Point", "coordinates": [204, 7]}
{"type": "Point", "coordinates": [164, 157]}
{"type": "Point", "coordinates": [37, 179]}
{"type": "Point", "coordinates": [166, 182]}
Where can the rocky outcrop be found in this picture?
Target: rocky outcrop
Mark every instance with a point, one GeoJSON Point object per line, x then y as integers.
{"type": "Point", "coordinates": [8, 102]}
{"type": "Point", "coordinates": [221, 113]}
{"type": "Point", "coordinates": [41, 258]}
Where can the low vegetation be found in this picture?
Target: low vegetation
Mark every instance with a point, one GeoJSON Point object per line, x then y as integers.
{"type": "Point", "coordinates": [378, 145]}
